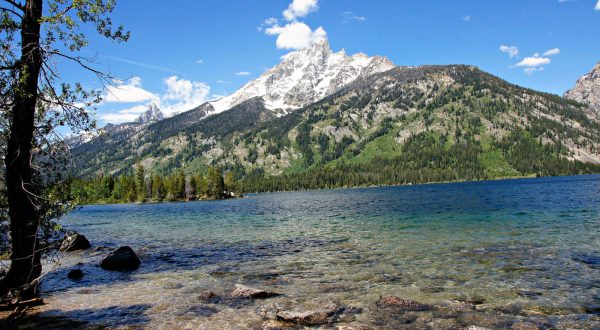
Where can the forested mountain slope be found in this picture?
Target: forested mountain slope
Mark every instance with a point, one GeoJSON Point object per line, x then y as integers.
{"type": "Point", "coordinates": [405, 125]}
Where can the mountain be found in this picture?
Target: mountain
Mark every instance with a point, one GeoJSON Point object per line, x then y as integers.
{"type": "Point", "coordinates": [304, 77]}
{"type": "Point", "coordinates": [587, 89]}
{"type": "Point", "coordinates": [405, 124]}
{"type": "Point", "coordinates": [151, 115]}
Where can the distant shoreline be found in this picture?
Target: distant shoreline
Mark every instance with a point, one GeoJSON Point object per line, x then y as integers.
{"type": "Point", "coordinates": [512, 178]}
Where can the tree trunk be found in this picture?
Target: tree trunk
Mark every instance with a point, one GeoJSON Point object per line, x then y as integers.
{"type": "Point", "coordinates": [23, 211]}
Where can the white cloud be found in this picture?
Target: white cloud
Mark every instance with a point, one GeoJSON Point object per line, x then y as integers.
{"type": "Point", "coordinates": [183, 95]}
{"type": "Point", "coordinates": [271, 21]}
{"type": "Point", "coordinates": [242, 73]}
{"type": "Point", "coordinates": [512, 51]}
{"type": "Point", "coordinates": [125, 115]}
{"type": "Point", "coordinates": [350, 16]}
{"type": "Point", "coordinates": [467, 18]}
{"type": "Point", "coordinates": [537, 62]}
{"type": "Point", "coordinates": [530, 71]}
{"type": "Point", "coordinates": [553, 51]}
{"type": "Point", "coordinates": [533, 61]}
{"type": "Point", "coordinates": [598, 5]}
{"type": "Point", "coordinates": [199, 61]}
{"type": "Point", "coordinates": [296, 35]}
{"type": "Point", "coordinates": [300, 8]}
{"type": "Point", "coordinates": [268, 22]}
{"type": "Point", "coordinates": [223, 81]}
{"type": "Point", "coordinates": [140, 64]}
{"type": "Point", "coordinates": [180, 95]}
{"type": "Point", "coordinates": [130, 91]}
{"type": "Point", "coordinates": [118, 118]}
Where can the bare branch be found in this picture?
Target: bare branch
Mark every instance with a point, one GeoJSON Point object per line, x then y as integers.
{"type": "Point", "coordinates": [16, 4]}
{"type": "Point", "coordinates": [11, 11]}
{"type": "Point", "coordinates": [81, 61]}
{"type": "Point", "coordinates": [9, 67]}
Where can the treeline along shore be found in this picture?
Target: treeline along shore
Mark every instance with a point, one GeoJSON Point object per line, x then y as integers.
{"type": "Point", "coordinates": [140, 187]}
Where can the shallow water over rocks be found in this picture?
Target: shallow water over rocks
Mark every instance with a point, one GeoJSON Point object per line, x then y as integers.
{"type": "Point", "coordinates": [520, 253]}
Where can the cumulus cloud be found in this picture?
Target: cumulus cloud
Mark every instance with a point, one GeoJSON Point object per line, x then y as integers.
{"type": "Point", "coordinates": [536, 62]}
{"type": "Point", "coordinates": [300, 8]}
{"type": "Point", "coordinates": [183, 95]}
{"type": "Point", "coordinates": [553, 51]}
{"type": "Point", "coordinates": [512, 51]}
{"type": "Point", "coordinates": [598, 5]}
{"type": "Point", "coordinates": [129, 91]}
{"type": "Point", "coordinates": [296, 35]}
{"type": "Point", "coordinates": [179, 95]}
{"type": "Point", "coordinates": [533, 61]}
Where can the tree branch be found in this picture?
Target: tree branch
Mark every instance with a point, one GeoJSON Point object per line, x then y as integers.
{"type": "Point", "coordinates": [11, 11]}
{"type": "Point", "coordinates": [103, 76]}
{"type": "Point", "coordinates": [64, 12]}
{"type": "Point", "coordinates": [8, 67]}
{"type": "Point", "coordinates": [16, 4]}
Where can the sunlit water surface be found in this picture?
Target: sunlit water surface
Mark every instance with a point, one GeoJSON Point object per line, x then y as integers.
{"type": "Point", "coordinates": [526, 248]}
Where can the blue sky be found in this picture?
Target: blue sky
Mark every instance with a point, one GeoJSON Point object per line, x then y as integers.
{"type": "Point", "coordinates": [184, 52]}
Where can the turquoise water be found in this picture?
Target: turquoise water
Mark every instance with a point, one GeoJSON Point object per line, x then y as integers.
{"type": "Point", "coordinates": [524, 250]}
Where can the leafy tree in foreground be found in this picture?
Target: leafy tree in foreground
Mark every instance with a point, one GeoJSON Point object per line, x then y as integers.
{"type": "Point", "coordinates": [35, 101]}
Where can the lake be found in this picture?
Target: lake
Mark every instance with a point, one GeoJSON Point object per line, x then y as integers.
{"type": "Point", "coordinates": [515, 252]}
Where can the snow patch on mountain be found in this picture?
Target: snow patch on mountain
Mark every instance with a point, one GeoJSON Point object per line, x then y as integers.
{"type": "Point", "coordinates": [305, 76]}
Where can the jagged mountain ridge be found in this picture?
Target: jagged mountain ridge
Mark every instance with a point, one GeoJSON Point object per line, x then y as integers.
{"type": "Point", "coordinates": [153, 114]}
{"type": "Point", "coordinates": [305, 76]}
{"type": "Point", "coordinates": [373, 118]}
{"type": "Point", "coordinates": [587, 89]}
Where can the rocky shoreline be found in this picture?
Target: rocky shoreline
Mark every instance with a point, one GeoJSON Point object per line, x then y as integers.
{"type": "Point", "coordinates": [273, 309]}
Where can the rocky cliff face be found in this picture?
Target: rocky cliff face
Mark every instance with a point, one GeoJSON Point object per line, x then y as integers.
{"type": "Point", "coordinates": [587, 89]}
{"type": "Point", "coordinates": [151, 115]}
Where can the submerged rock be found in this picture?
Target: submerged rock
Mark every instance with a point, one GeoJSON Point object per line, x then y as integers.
{"type": "Point", "coordinates": [528, 293]}
{"type": "Point", "coordinates": [320, 314]}
{"type": "Point", "coordinates": [75, 274]}
{"type": "Point", "coordinates": [404, 304]}
{"type": "Point", "coordinates": [323, 315]}
{"type": "Point", "coordinates": [317, 317]}
{"type": "Point", "coordinates": [242, 291]}
{"type": "Point", "coordinates": [123, 258]}
{"type": "Point", "coordinates": [75, 242]}
{"type": "Point", "coordinates": [524, 326]}
{"type": "Point", "coordinates": [207, 296]}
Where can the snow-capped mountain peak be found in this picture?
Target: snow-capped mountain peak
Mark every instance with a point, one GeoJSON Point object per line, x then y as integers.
{"type": "Point", "coordinates": [305, 76]}
{"type": "Point", "coordinates": [151, 115]}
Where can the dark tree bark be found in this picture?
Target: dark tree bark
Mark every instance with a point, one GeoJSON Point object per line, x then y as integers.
{"type": "Point", "coordinates": [23, 210]}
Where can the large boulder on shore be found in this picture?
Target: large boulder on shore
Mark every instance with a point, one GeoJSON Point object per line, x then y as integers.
{"type": "Point", "coordinates": [123, 258]}
{"type": "Point", "coordinates": [75, 242]}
